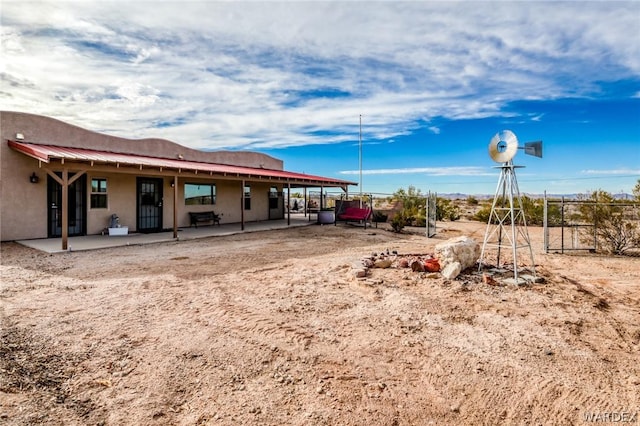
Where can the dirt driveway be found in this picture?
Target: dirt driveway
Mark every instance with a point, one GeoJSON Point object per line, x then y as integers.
{"type": "Point", "coordinates": [273, 328]}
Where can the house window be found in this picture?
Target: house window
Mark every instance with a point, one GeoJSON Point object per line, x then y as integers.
{"type": "Point", "coordinates": [247, 197]}
{"type": "Point", "coordinates": [98, 193]}
{"type": "Point", "coordinates": [199, 194]}
{"type": "Point", "coordinates": [273, 198]}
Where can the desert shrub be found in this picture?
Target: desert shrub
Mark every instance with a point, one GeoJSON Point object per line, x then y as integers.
{"type": "Point", "coordinates": [379, 217]}
{"type": "Point", "coordinates": [398, 222]}
{"type": "Point", "coordinates": [533, 210]}
{"type": "Point", "coordinates": [617, 235]}
{"type": "Point", "coordinates": [414, 210]}
{"type": "Point", "coordinates": [420, 221]}
{"type": "Point", "coordinates": [554, 214]}
{"type": "Point", "coordinates": [446, 210]}
{"type": "Point", "coordinates": [482, 215]}
{"type": "Point", "coordinates": [616, 232]}
{"type": "Point", "coordinates": [472, 201]}
{"type": "Point", "coordinates": [413, 206]}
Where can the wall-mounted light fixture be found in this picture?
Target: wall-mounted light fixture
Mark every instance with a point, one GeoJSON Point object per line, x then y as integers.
{"type": "Point", "coordinates": [34, 178]}
{"type": "Point", "coordinates": [173, 183]}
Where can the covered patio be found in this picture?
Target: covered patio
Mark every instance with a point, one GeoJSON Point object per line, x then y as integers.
{"type": "Point", "coordinates": [96, 242]}
{"type": "Point", "coordinates": [65, 165]}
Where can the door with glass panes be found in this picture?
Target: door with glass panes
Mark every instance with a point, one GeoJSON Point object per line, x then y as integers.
{"type": "Point", "coordinates": [149, 205]}
{"type": "Point", "coordinates": [76, 206]}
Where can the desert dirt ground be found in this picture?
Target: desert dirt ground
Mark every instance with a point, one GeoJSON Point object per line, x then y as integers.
{"type": "Point", "coordinates": [273, 328]}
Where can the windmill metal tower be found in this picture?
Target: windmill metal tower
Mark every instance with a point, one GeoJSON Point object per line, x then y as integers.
{"type": "Point", "coordinates": [507, 225]}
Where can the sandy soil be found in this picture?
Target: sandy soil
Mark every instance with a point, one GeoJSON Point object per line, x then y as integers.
{"type": "Point", "coordinates": [273, 328]}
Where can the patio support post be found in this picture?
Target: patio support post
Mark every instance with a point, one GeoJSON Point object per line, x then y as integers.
{"type": "Point", "coordinates": [64, 183]}
{"type": "Point", "coordinates": [288, 203]}
{"type": "Point", "coordinates": [321, 197]}
{"type": "Point", "coordinates": [242, 205]}
{"type": "Point", "coordinates": [306, 206]}
{"type": "Point", "coordinates": [175, 206]}
{"type": "Point", "coordinates": [65, 209]}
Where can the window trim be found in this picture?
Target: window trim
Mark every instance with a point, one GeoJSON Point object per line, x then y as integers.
{"type": "Point", "coordinates": [213, 193]}
{"type": "Point", "coordinates": [246, 195]}
{"type": "Point", "coordinates": [274, 197]}
{"type": "Point", "coordinates": [102, 194]}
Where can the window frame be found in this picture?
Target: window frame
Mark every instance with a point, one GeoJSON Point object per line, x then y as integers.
{"type": "Point", "coordinates": [246, 195]}
{"type": "Point", "coordinates": [102, 193]}
{"type": "Point", "coordinates": [213, 194]}
{"type": "Point", "coordinates": [273, 198]}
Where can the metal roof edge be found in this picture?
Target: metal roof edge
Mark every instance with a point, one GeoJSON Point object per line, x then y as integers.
{"type": "Point", "coordinates": [83, 155]}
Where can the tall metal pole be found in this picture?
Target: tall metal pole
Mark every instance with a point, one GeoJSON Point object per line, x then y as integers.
{"type": "Point", "coordinates": [360, 160]}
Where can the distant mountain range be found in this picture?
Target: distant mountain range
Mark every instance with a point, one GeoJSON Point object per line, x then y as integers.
{"type": "Point", "coordinates": [460, 196]}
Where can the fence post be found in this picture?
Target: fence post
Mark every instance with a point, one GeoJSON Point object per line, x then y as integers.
{"type": "Point", "coordinates": [426, 214]}
{"type": "Point", "coordinates": [562, 226]}
{"type": "Point", "coordinates": [595, 222]}
{"type": "Point", "coordinates": [545, 225]}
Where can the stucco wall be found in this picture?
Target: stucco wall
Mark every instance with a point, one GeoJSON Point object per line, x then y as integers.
{"type": "Point", "coordinates": [259, 202]}
{"type": "Point", "coordinates": [23, 205]}
{"type": "Point", "coordinates": [121, 200]}
{"type": "Point", "coordinates": [49, 131]}
{"type": "Point", "coordinates": [228, 201]}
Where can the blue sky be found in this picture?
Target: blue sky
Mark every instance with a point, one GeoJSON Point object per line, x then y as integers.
{"type": "Point", "coordinates": [431, 81]}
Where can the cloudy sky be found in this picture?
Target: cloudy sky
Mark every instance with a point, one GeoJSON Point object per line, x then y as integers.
{"type": "Point", "coordinates": [431, 83]}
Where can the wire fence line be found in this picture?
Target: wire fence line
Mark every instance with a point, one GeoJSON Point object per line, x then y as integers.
{"type": "Point", "coordinates": [384, 206]}
{"type": "Point", "coordinates": [570, 225]}
{"type": "Point", "coordinates": [588, 225]}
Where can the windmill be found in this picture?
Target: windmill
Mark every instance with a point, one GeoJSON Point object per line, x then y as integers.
{"type": "Point", "coordinates": [507, 225]}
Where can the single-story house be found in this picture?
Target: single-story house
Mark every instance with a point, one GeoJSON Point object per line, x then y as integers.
{"type": "Point", "coordinates": [60, 180]}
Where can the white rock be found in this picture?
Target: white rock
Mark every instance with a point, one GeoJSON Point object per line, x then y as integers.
{"type": "Point", "coordinates": [463, 251]}
{"type": "Point", "coordinates": [452, 270]}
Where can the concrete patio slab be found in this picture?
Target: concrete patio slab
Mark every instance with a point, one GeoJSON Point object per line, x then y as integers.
{"type": "Point", "coordinates": [95, 242]}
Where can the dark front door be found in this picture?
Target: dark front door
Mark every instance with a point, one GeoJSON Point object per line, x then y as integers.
{"type": "Point", "coordinates": [149, 205]}
{"type": "Point", "coordinates": [77, 207]}
{"type": "Point", "coordinates": [276, 205]}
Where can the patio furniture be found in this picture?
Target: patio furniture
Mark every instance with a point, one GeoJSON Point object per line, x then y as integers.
{"type": "Point", "coordinates": [354, 214]}
{"type": "Point", "coordinates": [210, 216]}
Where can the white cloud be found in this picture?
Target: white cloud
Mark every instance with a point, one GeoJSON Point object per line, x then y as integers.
{"type": "Point", "coordinates": [223, 74]}
{"type": "Point", "coordinates": [430, 171]}
{"type": "Point", "coordinates": [630, 172]}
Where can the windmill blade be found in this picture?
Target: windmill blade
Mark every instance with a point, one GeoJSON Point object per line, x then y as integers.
{"type": "Point", "coordinates": [533, 148]}
{"type": "Point", "coordinates": [503, 146]}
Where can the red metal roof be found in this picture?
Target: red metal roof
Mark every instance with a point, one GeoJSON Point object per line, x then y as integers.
{"type": "Point", "coordinates": [47, 152]}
